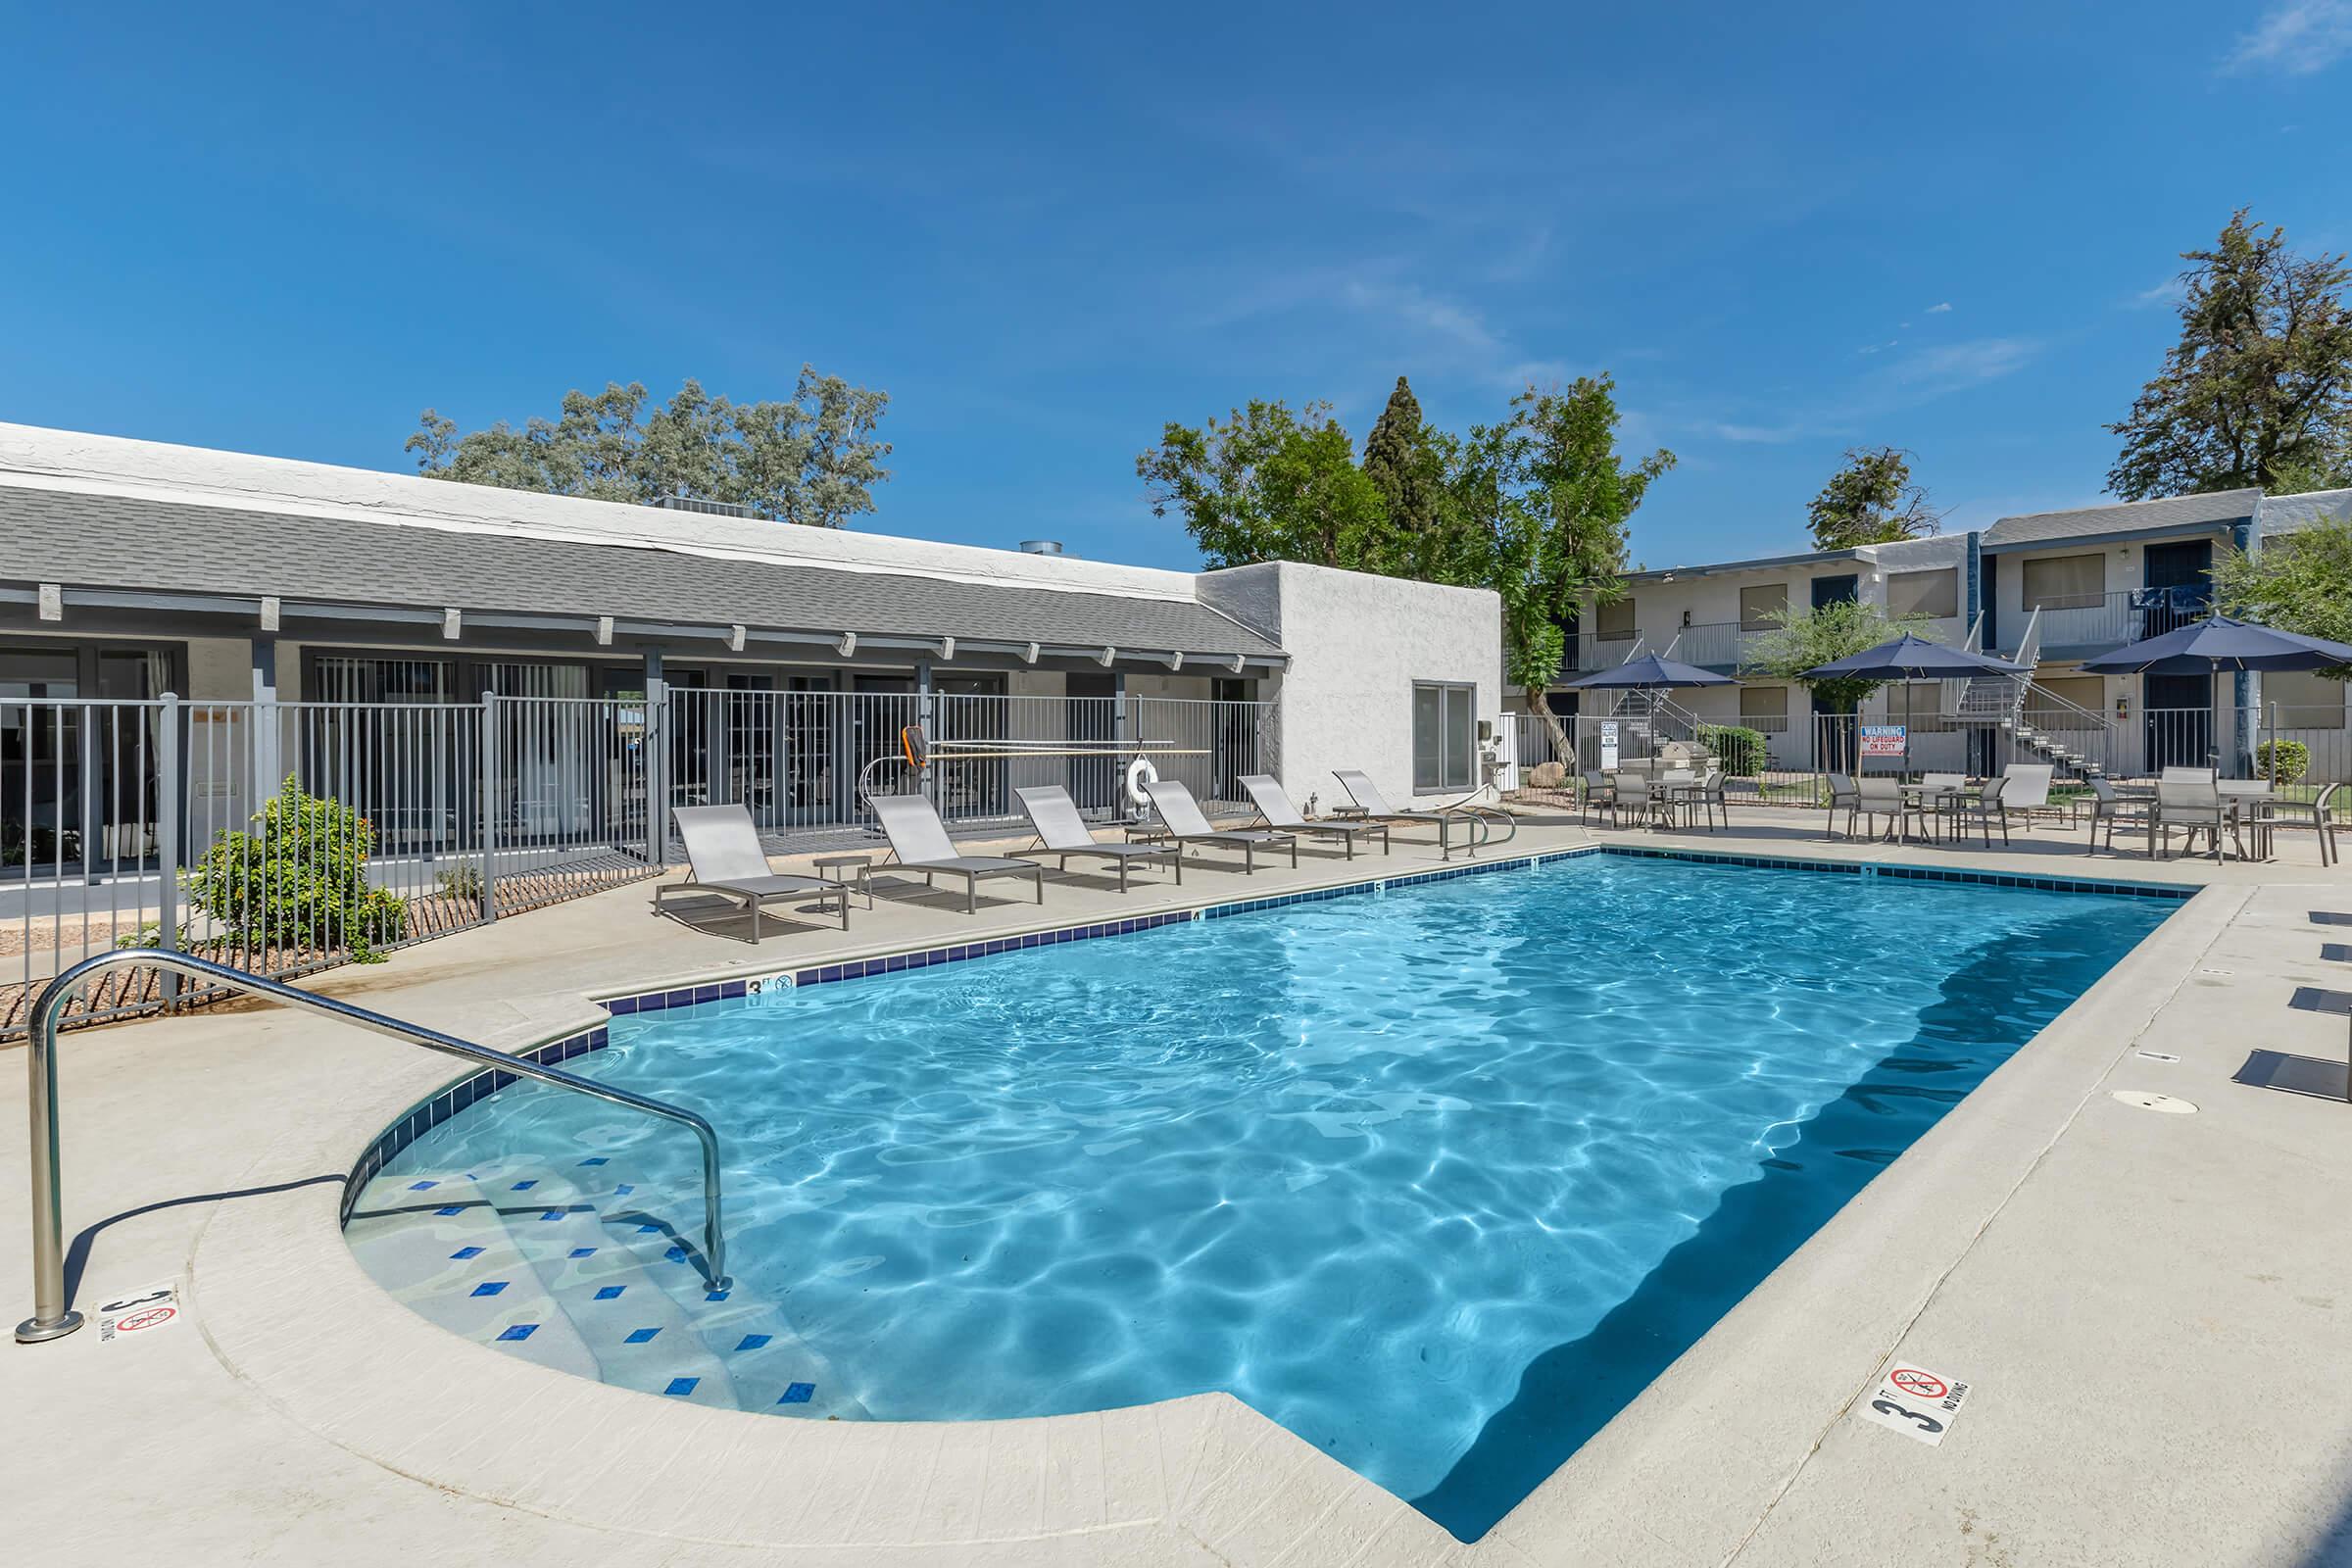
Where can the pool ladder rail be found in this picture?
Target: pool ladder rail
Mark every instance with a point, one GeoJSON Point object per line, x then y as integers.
{"type": "Point", "coordinates": [53, 1319]}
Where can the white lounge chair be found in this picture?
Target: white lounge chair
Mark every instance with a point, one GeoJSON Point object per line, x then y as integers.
{"type": "Point", "coordinates": [1181, 815]}
{"type": "Point", "coordinates": [1061, 831]}
{"type": "Point", "coordinates": [920, 840]}
{"type": "Point", "coordinates": [1376, 809]}
{"type": "Point", "coordinates": [724, 860]}
{"type": "Point", "coordinates": [1275, 807]}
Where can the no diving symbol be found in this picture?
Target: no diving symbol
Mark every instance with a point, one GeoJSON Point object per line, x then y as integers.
{"type": "Point", "coordinates": [152, 1317]}
{"type": "Point", "coordinates": [1917, 1384]}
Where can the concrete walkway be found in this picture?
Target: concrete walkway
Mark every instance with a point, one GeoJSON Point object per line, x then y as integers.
{"type": "Point", "coordinates": [2146, 1307]}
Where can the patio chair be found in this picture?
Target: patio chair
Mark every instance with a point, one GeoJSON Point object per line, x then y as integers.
{"type": "Point", "coordinates": [920, 840]}
{"type": "Point", "coordinates": [1714, 798]}
{"type": "Point", "coordinates": [2275, 813]}
{"type": "Point", "coordinates": [1884, 796]}
{"type": "Point", "coordinates": [1377, 809]}
{"type": "Point", "coordinates": [2111, 807]}
{"type": "Point", "coordinates": [724, 860]}
{"type": "Point", "coordinates": [1639, 801]}
{"type": "Point", "coordinates": [1842, 794]}
{"type": "Point", "coordinates": [1061, 831]}
{"type": "Point", "coordinates": [1599, 795]}
{"type": "Point", "coordinates": [1181, 815]}
{"type": "Point", "coordinates": [1276, 807]}
{"type": "Point", "coordinates": [1987, 805]}
{"type": "Point", "coordinates": [2028, 791]}
{"type": "Point", "coordinates": [2194, 805]}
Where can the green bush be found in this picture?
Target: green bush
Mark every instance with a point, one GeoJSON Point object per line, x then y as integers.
{"type": "Point", "coordinates": [1738, 749]}
{"type": "Point", "coordinates": [2294, 760]}
{"type": "Point", "coordinates": [462, 883]}
{"type": "Point", "coordinates": [300, 880]}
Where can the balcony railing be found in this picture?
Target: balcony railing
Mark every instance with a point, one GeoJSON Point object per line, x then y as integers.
{"type": "Point", "coordinates": [2089, 623]}
{"type": "Point", "coordinates": [1725, 646]}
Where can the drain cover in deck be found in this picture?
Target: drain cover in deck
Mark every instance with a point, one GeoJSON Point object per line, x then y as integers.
{"type": "Point", "coordinates": [2145, 1101]}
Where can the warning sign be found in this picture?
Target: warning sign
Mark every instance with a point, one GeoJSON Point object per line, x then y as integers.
{"type": "Point", "coordinates": [1915, 1401]}
{"type": "Point", "coordinates": [140, 1312]}
{"type": "Point", "coordinates": [1883, 740]}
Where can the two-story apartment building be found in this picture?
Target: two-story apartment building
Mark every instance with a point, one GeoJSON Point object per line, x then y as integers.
{"type": "Point", "coordinates": [2044, 589]}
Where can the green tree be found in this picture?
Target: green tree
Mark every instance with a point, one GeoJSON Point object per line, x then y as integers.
{"type": "Point", "coordinates": [1871, 500]}
{"type": "Point", "coordinates": [2260, 385]}
{"type": "Point", "coordinates": [1408, 462]}
{"type": "Point", "coordinates": [2300, 581]}
{"type": "Point", "coordinates": [811, 459]}
{"type": "Point", "coordinates": [1269, 484]}
{"type": "Point", "coordinates": [1799, 640]}
{"type": "Point", "coordinates": [1549, 497]}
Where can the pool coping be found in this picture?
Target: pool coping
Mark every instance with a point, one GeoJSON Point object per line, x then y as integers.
{"type": "Point", "coordinates": [1240, 1464]}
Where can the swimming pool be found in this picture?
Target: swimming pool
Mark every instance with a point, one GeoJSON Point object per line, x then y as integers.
{"type": "Point", "coordinates": [1438, 1179]}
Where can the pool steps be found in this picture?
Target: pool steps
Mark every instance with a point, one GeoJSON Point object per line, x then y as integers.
{"type": "Point", "coordinates": [569, 1269]}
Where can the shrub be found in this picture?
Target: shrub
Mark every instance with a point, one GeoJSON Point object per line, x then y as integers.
{"type": "Point", "coordinates": [299, 881]}
{"type": "Point", "coordinates": [2294, 760]}
{"type": "Point", "coordinates": [462, 883]}
{"type": "Point", "coordinates": [1740, 751]}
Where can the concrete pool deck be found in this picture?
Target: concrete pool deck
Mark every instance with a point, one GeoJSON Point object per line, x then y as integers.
{"type": "Point", "coordinates": [2146, 1307]}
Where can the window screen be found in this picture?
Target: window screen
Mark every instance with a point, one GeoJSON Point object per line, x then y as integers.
{"type": "Point", "coordinates": [2065, 582]}
{"type": "Point", "coordinates": [1764, 707]}
{"type": "Point", "coordinates": [1925, 593]}
{"type": "Point", "coordinates": [1615, 620]}
{"type": "Point", "coordinates": [1758, 606]}
{"type": "Point", "coordinates": [1444, 737]}
{"type": "Point", "coordinates": [2305, 701]}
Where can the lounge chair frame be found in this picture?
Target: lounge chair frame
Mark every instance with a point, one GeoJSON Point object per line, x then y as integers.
{"type": "Point", "coordinates": [722, 846]}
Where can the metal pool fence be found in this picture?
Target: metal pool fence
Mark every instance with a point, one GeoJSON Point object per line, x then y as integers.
{"type": "Point", "coordinates": [284, 838]}
{"type": "Point", "coordinates": [1788, 760]}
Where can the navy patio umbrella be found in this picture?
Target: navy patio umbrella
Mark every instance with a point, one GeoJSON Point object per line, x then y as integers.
{"type": "Point", "coordinates": [1910, 658]}
{"type": "Point", "coordinates": [2220, 643]}
{"type": "Point", "coordinates": [1649, 673]}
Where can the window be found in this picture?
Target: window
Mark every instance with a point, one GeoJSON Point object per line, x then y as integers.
{"type": "Point", "coordinates": [2066, 582]}
{"type": "Point", "coordinates": [1445, 725]}
{"type": "Point", "coordinates": [1925, 593]}
{"type": "Point", "coordinates": [1612, 622]}
{"type": "Point", "coordinates": [1759, 607]}
{"type": "Point", "coordinates": [2304, 700]}
{"type": "Point", "coordinates": [1764, 707]}
{"type": "Point", "coordinates": [2089, 692]}
{"type": "Point", "coordinates": [1926, 710]}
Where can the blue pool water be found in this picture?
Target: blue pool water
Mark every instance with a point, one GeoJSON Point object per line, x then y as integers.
{"type": "Point", "coordinates": [1438, 1179]}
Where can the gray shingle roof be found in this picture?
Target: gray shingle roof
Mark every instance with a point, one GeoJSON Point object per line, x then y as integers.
{"type": "Point", "coordinates": [92, 541]}
{"type": "Point", "coordinates": [2220, 509]}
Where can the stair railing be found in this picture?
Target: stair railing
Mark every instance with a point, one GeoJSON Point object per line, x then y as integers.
{"type": "Point", "coordinates": [52, 1319]}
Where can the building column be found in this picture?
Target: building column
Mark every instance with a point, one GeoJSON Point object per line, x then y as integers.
{"type": "Point", "coordinates": [657, 760]}
{"type": "Point", "coordinates": [269, 760]}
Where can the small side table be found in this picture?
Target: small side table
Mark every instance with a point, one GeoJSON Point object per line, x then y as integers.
{"type": "Point", "coordinates": [828, 864]}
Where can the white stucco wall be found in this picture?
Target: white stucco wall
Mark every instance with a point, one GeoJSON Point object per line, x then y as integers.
{"type": "Point", "coordinates": [1358, 645]}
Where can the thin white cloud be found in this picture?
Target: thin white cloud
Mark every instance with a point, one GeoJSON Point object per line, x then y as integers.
{"type": "Point", "coordinates": [2171, 291]}
{"type": "Point", "coordinates": [1955, 366]}
{"type": "Point", "coordinates": [1943, 308]}
{"type": "Point", "coordinates": [1880, 348]}
{"type": "Point", "coordinates": [2296, 36]}
{"type": "Point", "coordinates": [1760, 434]}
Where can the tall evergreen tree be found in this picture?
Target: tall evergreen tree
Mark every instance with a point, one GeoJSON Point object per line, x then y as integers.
{"type": "Point", "coordinates": [2259, 388]}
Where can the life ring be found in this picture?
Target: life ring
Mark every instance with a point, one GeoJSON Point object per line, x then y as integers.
{"type": "Point", "coordinates": [1140, 772]}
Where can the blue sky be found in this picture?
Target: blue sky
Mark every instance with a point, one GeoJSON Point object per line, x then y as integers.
{"type": "Point", "coordinates": [1786, 230]}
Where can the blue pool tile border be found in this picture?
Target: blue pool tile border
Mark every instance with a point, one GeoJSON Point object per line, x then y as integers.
{"type": "Point", "coordinates": [1916, 873]}
{"type": "Point", "coordinates": [438, 1107]}
{"type": "Point", "coordinates": [443, 1104]}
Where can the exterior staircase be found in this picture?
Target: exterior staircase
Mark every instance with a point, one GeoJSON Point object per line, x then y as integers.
{"type": "Point", "coordinates": [2001, 701]}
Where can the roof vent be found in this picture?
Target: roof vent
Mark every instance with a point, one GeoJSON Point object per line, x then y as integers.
{"type": "Point", "coordinates": [1041, 546]}
{"type": "Point", "coordinates": [715, 508]}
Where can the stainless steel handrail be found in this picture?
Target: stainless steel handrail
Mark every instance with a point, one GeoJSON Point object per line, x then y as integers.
{"type": "Point", "coordinates": [51, 1318]}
